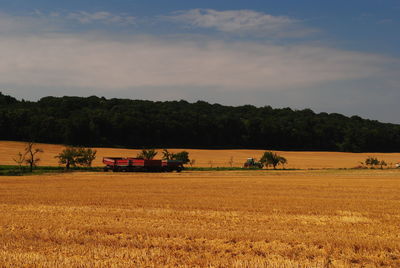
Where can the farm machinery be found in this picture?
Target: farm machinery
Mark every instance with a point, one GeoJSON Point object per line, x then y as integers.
{"type": "Point", "coordinates": [129, 164]}
{"type": "Point", "coordinates": [252, 163]}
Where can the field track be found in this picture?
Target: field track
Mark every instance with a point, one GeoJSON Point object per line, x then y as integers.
{"type": "Point", "coordinates": [214, 158]}
{"type": "Point", "coordinates": [325, 218]}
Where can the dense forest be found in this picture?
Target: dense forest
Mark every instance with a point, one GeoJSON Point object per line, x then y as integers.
{"type": "Point", "coordinates": [95, 121]}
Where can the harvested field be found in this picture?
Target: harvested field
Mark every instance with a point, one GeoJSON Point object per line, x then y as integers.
{"type": "Point", "coordinates": [342, 218]}
{"type": "Point", "coordinates": [212, 158]}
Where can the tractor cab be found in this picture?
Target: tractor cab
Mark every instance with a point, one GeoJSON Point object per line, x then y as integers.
{"type": "Point", "coordinates": [252, 163]}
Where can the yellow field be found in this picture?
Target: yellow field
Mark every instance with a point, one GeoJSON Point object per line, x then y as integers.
{"type": "Point", "coordinates": [214, 158]}
{"type": "Point", "coordinates": [347, 218]}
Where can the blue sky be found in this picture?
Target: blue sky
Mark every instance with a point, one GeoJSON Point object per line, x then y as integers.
{"type": "Point", "coordinates": [336, 56]}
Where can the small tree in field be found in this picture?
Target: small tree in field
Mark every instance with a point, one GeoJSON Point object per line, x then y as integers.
{"type": "Point", "coordinates": [373, 161]}
{"type": "Point", "coordinates": [147, 154]}
{"type": "Point", "coordinates": [67, 157]}
{"type": "Point", "coordinates": [72, 157]}
{"type": "Point", "coordinates": [86, 156]}
{"type": "Point", "coordinates": [272, 159]}
{"type": "Point", "coordinates": [181, 156]}
{"type": "Point", "coordinates": [30, 155]}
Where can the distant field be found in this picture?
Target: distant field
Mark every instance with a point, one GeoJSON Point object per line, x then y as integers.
{"type": "Point", "coordinates": [330, 218]}
{"type": "Point", "coordinates": [215, 158]}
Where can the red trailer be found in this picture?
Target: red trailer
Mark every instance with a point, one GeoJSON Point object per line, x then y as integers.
{"type": "Point", "coordinates": [129, 164]}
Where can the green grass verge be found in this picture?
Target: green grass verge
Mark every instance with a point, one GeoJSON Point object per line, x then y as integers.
{"type": "Point", "coordinates": [230, 168]}
{"type": "Point", "coordinates": [9, 170]}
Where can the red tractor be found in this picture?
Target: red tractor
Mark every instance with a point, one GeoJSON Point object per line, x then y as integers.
{"type": "Point", "coordinates": [252, 163]}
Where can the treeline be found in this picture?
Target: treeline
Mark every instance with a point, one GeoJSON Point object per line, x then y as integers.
{"type": "Point", "coordinates": [95, 121]}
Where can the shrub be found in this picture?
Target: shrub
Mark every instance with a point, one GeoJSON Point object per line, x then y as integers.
{"type": "Point", "coordinates": [372, 162]}
{"type": "Point", "coordinates": [72, 157]}
{"type": "Point", "coordinates": [272, 159]}
{"type": "Point", "coordinates": [181, 156]}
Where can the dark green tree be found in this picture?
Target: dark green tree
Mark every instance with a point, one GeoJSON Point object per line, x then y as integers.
{"type": "Point", "coordinates": [373, 162]}
{"type": "Point", "coordinates": [272, 159]}
{"type": "Point", "coordinates": [182, 156]}
{"type": "Point", "coordinates": [147, 154]}
{"type": "Point", "coordinates": [73, 156]}
{"type": "Point", "coordinates": [94, 121]}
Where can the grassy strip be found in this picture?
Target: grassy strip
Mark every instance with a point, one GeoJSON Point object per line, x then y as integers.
{"type": "Point", "coordinates": [16, 171]}
{"type": "Point", "coordinates": [9, 170]}
{"type": "Point", "coordinates": [214, 168]}
{"type": "Point", "coordinates": [229, 168]}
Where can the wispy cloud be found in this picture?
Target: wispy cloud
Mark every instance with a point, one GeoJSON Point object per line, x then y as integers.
{"type": "Point", "coordinates": [242, 22]}
{"type": "Point", "coordinates": [385, 21]}
{"type": "Point", "coordinates": [39, 22]}
{"type": "Point", "coordinates": [90, 61]}
{"type": "Point", "coordinates": [99, 17]}
{"type": "Point", "coordinates": [96, 61]}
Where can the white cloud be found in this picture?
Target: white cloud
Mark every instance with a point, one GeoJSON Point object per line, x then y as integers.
{"type": "Point", "coordinates": [39, 22]}
{"type": "Point", "coordinates": [101, 16]}
{"type": "Point", "coordinates": [242, 22]}
{"type": "Point", "coordinates": [74, 61]}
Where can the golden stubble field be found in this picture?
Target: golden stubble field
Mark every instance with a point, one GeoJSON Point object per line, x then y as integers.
{"type": "Point", "coordinates": [324, 218]}
{"type": "Point", "coordinates": [211, 158]}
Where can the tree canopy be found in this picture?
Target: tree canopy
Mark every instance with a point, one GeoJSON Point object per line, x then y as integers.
{"type": "Point", "coordinates": [272, 159]}
{"type": "Point", "coordinates": [180, 156]}
{"type": "Point", "coordinates": [95, 121]}
{"type": "Point", "coordinates": [72, 157]}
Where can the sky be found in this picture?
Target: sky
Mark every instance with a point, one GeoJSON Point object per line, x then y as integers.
{"type": "Point", "coordinates": [330, 56]}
